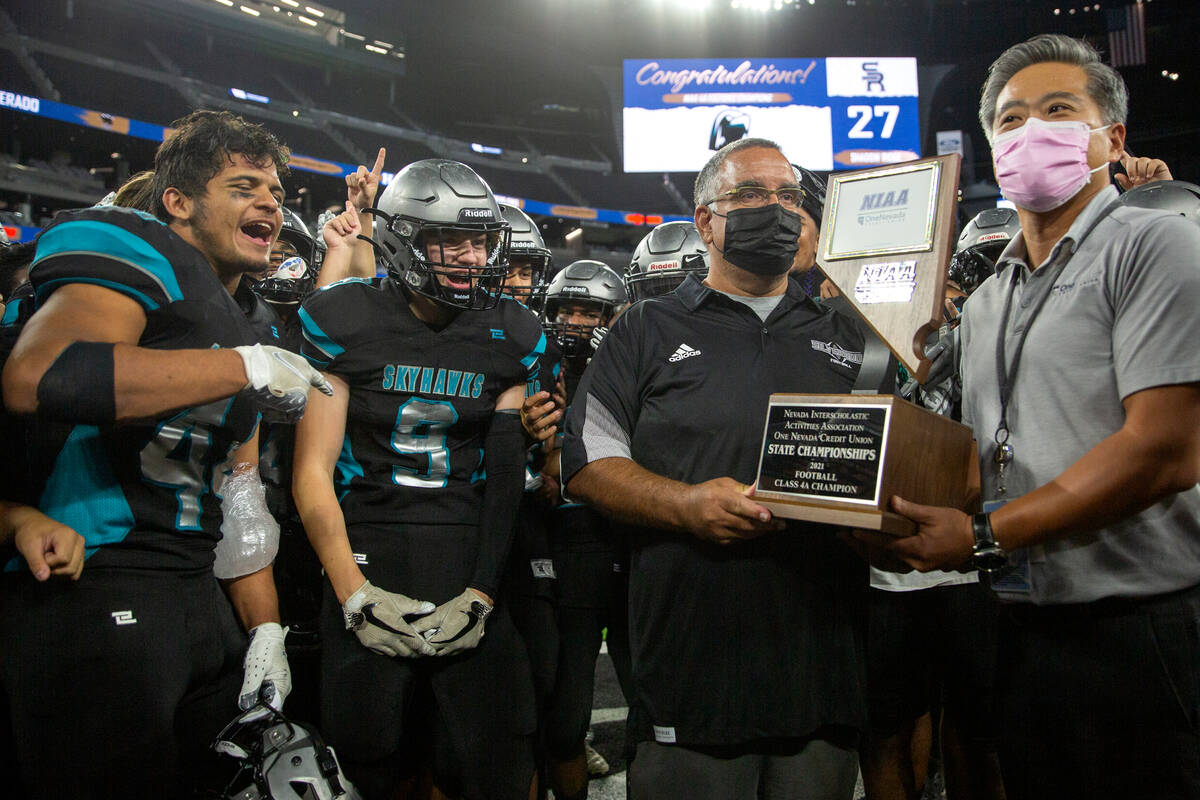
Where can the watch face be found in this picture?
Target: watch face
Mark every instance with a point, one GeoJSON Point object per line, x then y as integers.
{"type": "Point", "coordinates": [989, 559]}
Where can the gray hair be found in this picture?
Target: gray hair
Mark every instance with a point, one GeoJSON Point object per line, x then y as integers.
{"type": "Point", "coordinates": [708, 181]}
{"type": "Point", "coordinates": [1104, 83]}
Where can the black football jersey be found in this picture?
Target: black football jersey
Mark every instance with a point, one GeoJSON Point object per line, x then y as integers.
{"type": "Point", "coordinates": [420, 400]}
{"type": "Point", "coordinates": [141, 494]}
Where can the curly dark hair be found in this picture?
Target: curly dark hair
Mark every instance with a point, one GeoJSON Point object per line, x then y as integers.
{"type": "Point", "coordinates": [201, 146]}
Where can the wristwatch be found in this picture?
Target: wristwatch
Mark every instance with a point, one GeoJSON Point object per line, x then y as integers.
{"type": "Point", "coordinates": [986, 556]}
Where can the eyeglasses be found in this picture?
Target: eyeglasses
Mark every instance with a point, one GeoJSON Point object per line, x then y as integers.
{"type": "Point", "coordinates": [757, 196]}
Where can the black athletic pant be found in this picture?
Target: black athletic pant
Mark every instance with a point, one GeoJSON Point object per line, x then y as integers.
{"type": "Point", "coordinates": [1101, 700]}
{"type": "Point", "coordinates": [470, 715]}
{"type": "Point", "coordinates": [119, 682]}
{"type": "Point", "coordinates": [593, 588]}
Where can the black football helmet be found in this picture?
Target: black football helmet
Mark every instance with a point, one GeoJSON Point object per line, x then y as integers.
{"type": "Point", "coordinates": [664, 258]}
{"type": "Point", "coordinates": [585, 282]}
{"type": "Point", "coordinates": [425, 210]}
{"type": "Point", "coordinates": [980, 244]}
{"type": "Point", "coordinates": [1179, 197]}
{"type": "Point", "coordinates": [527, 244]}
{"type": "Point", "coordinates": [295, 262]}
{"type": "Point", "coordinates": [280, 759]}
{"type": "Point", "coordinates": [813, 189]}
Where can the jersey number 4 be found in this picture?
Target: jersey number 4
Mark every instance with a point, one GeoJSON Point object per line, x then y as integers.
{"type": "Point", "coordinates": [419, 438]}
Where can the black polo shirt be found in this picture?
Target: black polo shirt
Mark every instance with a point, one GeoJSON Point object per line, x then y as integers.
{"type": "Point", "coordinates": [755, 640]}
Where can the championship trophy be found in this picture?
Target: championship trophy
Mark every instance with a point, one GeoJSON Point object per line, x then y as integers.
{"type": "Point", "coordinates": [886, 240]}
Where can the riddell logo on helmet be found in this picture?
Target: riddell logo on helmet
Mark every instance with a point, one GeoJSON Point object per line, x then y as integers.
{"type": "Point", "coordinates": [657, 265]}
{"type": "Point", "coordinates": [583, 290]}
{"type": "Point", "coordinates": [992, 237]}
{"type": "Point", "coordinates": [475, 213]}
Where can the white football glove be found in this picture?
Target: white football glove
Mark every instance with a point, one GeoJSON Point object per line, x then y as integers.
{"type": "Point", "coordinates": [279, 381]}
{"type": "Point", "coordinates": [455, 625]}
{"type": "Point", "coordinates": [267, 676]}
{"type": "Point", "coordinates": [382, 621]}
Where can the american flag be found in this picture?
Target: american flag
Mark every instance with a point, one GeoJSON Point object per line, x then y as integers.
{"type": "Point", "coordinates": [1127, 35]}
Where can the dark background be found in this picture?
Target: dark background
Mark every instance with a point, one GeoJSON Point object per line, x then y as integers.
{"type": "Point", "coordinates": [539, 76]}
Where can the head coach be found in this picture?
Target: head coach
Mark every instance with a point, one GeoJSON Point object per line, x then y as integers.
{"type": "Point", "coordinates": [746, 653]}
{"type": "Point", "coordinates": [1081, 379]}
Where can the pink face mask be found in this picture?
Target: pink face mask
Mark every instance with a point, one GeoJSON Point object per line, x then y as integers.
{"type": "Point", "coordinates": [1041, 164]}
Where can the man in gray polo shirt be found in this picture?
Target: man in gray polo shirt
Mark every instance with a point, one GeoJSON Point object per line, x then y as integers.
{"type": "Point", "coordinates": [1080, 368]}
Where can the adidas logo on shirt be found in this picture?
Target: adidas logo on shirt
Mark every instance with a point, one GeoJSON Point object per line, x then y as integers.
{"type": "Point", "coordinates": [682, 352]}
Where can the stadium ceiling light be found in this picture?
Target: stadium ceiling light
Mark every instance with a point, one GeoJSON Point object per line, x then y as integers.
{"type": "Point", "coordinates": [306, 20]}
{"type": "Point", "coordinates": [1057, 11]}
{"type": "Point", "coordinates": [226, 3]}
{"type": "Point", "coordinates": [375, 49]}
{"type": "Point", "coordinates": [254, 12]}
{"type": "Point", "coordinates": [350, 35]}
{"type": "Point", "coordinates": [316, 12]}
{"type": "Point", "coordinates": [291, 3]}
{"type": "Point", "coordinates": [384, 44]}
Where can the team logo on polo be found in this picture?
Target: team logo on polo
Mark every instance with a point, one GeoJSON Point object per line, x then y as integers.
{"type": "Point", "coordinates": [682, 352]}
{"type": "Point", "coordinates": [837, 354]}
{"type": "Point", "coordinates": [124, 618]}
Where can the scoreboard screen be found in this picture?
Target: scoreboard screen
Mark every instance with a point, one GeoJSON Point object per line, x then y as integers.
{"type": "Point", "coordinates": [826, 113]}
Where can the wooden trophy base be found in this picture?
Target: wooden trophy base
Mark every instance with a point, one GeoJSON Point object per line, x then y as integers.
{"type": "Point", "coordinates": [839, 459]}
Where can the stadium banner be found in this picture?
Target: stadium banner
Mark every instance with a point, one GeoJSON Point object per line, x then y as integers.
{"type": "Point", "coordinates": [826, 113]}
{"type": "Point", "coordinates": [126, 126]}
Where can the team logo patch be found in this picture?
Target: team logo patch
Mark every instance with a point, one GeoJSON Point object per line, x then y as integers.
{"type": "Point", "coordinates": [542, 568]}
{"type": "Point", "coordinates": [360, 558]}
{"type": "Point", "coordinates": [124, 618]}
{"type": "Point", "coordinates": [684, 351]}
{"type": "Point", "coordinates": [837, 354]}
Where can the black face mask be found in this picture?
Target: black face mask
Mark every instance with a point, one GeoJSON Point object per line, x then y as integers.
{"type": "Point", "coordinates": [762, 240]}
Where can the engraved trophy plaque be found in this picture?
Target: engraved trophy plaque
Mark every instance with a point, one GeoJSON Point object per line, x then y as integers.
{"type": "Point", "coordinates": [886, 240]}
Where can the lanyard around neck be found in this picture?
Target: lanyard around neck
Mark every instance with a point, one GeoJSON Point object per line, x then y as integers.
{"type": "Point", "coordinates": [1006, 374]}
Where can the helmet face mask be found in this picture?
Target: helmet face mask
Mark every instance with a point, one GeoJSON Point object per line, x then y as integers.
{"type": "Point", "coordinates": [574, 337]}
{"type": "Point", "coordinates": [443, 236]}
{"type": "Point", "coordinates": [294, 263]}
{"type": "Point", "coordinates": [596, 290]}
{"type": "Point", "coordinates": [537, 265]}
{"type": "Point", "coordinates": [280, 760]}
{"type": "Point", "coordinates": [980, 244]}
{"type": "Point", "coordinates": [528, 252]}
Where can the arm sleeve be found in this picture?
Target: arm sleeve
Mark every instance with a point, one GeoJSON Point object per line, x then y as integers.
{"type": "Point", "coordinates": [119, 250]}
{"type": "Point", "coordinates": [1156, 291]}
{"type": "Point", "coordinates": [604, 413]}
{"type": "Point", "coordinates": [504, 464]}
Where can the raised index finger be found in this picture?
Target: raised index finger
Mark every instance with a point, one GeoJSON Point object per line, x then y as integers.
{"type": "Point", "coordinates": [377, 170]}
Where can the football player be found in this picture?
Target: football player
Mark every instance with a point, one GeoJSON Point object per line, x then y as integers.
{"type": "Point", "coordinates": [408, 483]}
{"type": "Point", "coordinates": [664, 258]}
{"type": "Point", "coordinates": [589, 559]}
{"type": "Point", "coordinates": [530, 578]}
{"type": "Point", "coordinates": [528, 260]}
{"type": "Point", "coordinates": [146, 381]}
